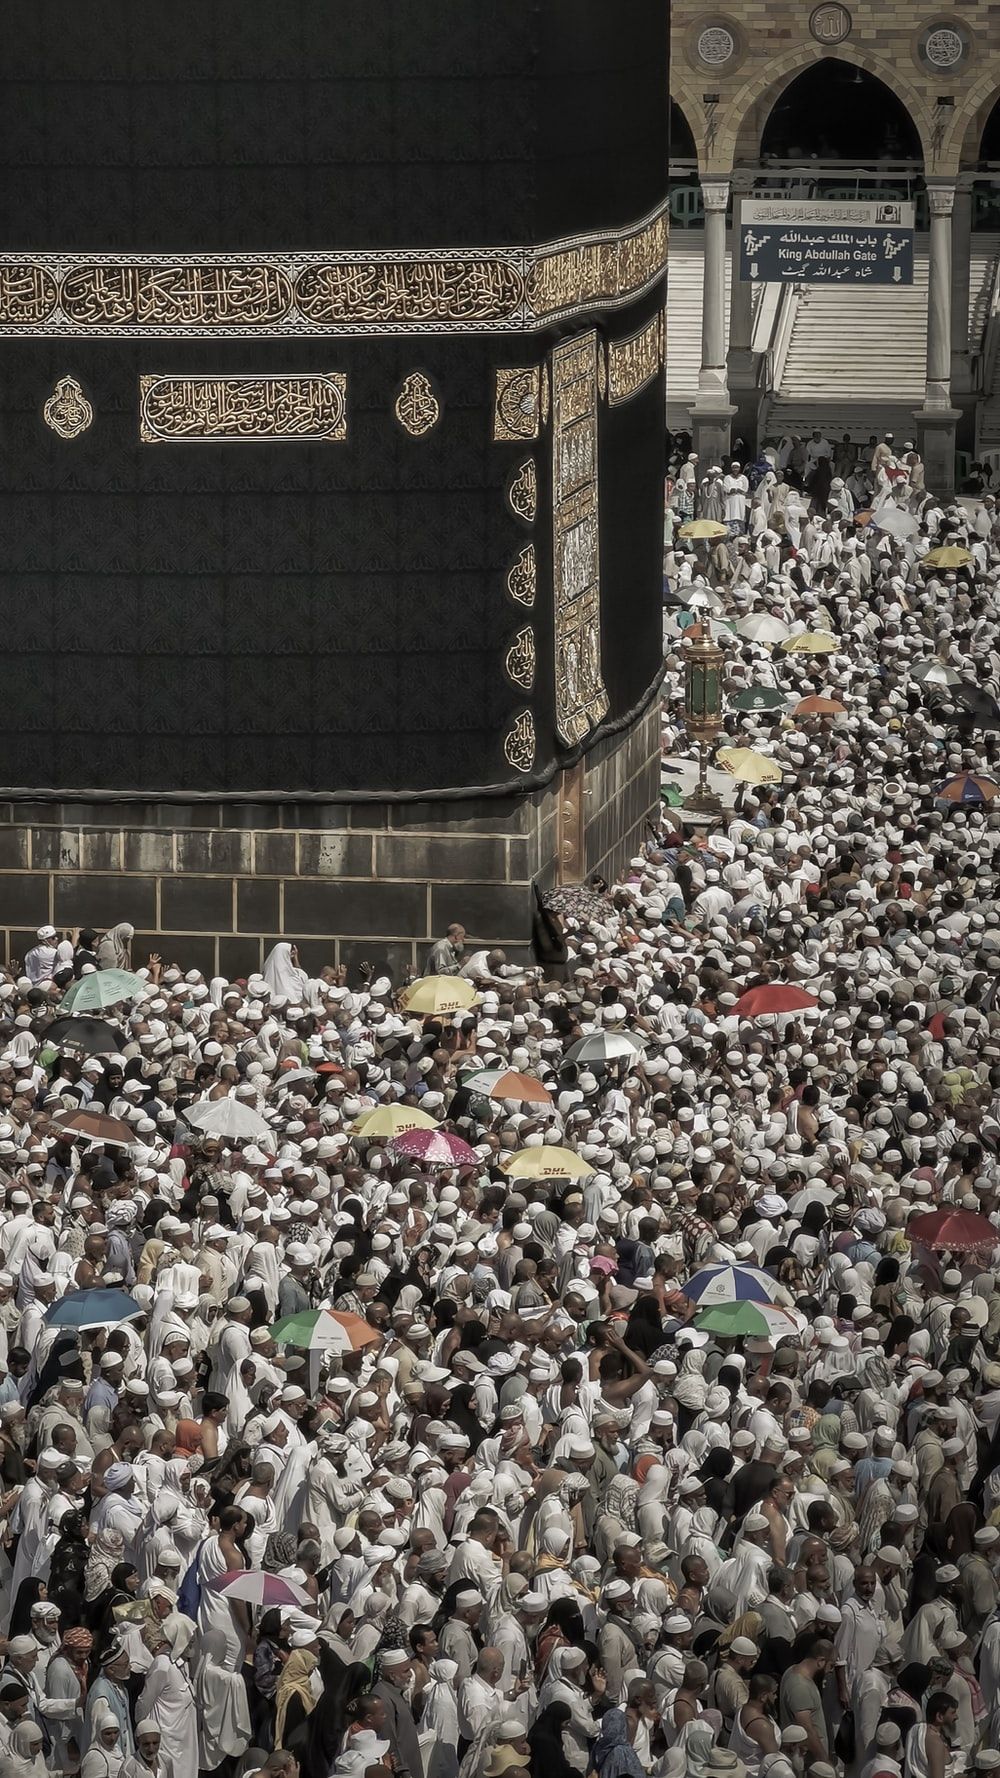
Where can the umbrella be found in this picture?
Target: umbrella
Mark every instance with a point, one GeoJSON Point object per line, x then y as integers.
{"type": "Point", "coordinates": [606, 1046]}
{"type": "Point", "coordinates": [895, 522]}
{"type": "Point", "coordinates": [228, 1118]}
{"type": "Point", "coordinates": [813, 642]}
{"type": "Point", "coordinates": [101, 989]}
{"type": "Point", "coordinates": [703, 528]}
{"type": "Point", "coordinates": [747, 766]}
{"type": "Point", "coordinates": [91, 1037]}
{"type": "Point", "coordinates": [812, 1194]}
{"type": "Point", "coordinates": [772, 997]}
{"type": "Point", "coordinates": [438, 1148]}
{"type": "Point", "coordinates": [952, 1231]}
{"type": "Point", "coordinates": [983, 708]}
{"type": "Point", "coordinates": [864, 517]}
{"type": "Point", "coordinates": [734, 1320]}
{"type": "Point", "coordinates": [322, 1330]}
{"type": "Point", "coordinates": [816, 706]}
{"type": "Point", "coordinates": [762, 627]}
{"type": "Point", "coordinates": [950, 555]}
{"type": "Point", "coordinates": [729, 1284]}
{"type": "Point", "coordinates": [293, 1077]}
{"type": "Point", "coordinates": [256, 1588]}
{"type": "Point", "coordinates": [391, 1120]}
{"type": "Point", "coordinates": [703, 600]}
{"type": "Point", "coordinates": [507, 1083]}
{"type": "Point", "coordinates": [934, 672]}
{"type": "Point", "coordinates": [439, 995]}
{"type": "Point", "coordinates": [760, 697]}
{"type": "Point", "coordinates": [546, 1162]}
{"type": "Point", "coordinates": [92, 1308]}
{"type": "Point", "coordinates": [97, 1126]}
{"type": "Point", "coordinates": [968, 787]}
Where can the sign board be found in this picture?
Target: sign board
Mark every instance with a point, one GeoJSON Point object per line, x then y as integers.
{"type": "Point", "coordinates": [800, 241]}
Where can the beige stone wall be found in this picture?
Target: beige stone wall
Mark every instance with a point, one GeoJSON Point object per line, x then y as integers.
{"type": "Point", "coordinates": [774, 40]}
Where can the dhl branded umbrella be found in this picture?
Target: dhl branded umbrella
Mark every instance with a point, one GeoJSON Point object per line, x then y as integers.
{"type": "Point", "coordinates": [439, 995]}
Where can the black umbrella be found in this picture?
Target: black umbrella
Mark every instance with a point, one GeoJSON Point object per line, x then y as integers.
{"type": "Point", "coordinates": [983, 708]}
{"type": "Point", "coordinates": [93, 1037]}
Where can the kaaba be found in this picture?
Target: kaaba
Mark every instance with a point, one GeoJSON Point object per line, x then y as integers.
{"type": "Point", "coordinates": [331, 463]}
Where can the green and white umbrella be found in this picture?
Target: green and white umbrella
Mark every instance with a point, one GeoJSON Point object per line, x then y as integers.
{"type": "Point", "coordinates": [100, 989]}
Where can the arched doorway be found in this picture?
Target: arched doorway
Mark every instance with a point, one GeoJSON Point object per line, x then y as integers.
{"type": "Point", "coordinates": [989, 143]}
{"type": "Point", "coordinates": [836, 111]}
{"type": "Point", "coordinates": [682, 144]}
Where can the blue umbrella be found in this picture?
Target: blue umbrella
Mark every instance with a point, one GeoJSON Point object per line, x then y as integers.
{"type": "Point", "coordinates": [93, 1308]}
{"type": "Point", "coordinates": [730, 1284]}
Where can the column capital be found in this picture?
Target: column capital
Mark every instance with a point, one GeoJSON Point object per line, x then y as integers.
{"type": "Point", "coordinates": [715, 193]}
{"type": "Point", "coordinates": [941, 197]}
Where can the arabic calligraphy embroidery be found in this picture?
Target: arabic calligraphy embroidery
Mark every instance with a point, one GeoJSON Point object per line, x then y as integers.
{"type": "Point", "coordinates": [581, 698]}
{"type": "Point", "coordinates": [417, 408]}
{"type": "Point", "coordinates": [519, 742]}
{"type": "Point", "coordinates": [517, 402]}
{"type": "Point", "coordinates": [520, 659]}
{"type": "Point", "coordinates": [67, 410]}
{"type": "Point", "coordinates": [236, 407]}
{"type": "Point", "coordinates": [523, 492]}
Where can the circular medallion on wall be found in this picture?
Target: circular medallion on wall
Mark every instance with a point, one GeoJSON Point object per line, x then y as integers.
{"type": "Point", "coordinates": [830, 23]}
{"type": "Point", "coordinates": [715, 43]}
{"type": "Point", "coordinates": [944, 47]}
{"type": "Point", "coordinates": [716, 46]}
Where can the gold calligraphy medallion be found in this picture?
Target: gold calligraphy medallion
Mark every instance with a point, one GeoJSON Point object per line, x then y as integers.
{"type": "Point", "coordinates": [519, 742]}
{"type": "Point", "coordinates": [523, 492]}
{"type": "Point", "coordinates": [520, 659]}
{"type": "Point", "coordinates": [67, 410]}
{"type": "Point", "coordinates": [522, 578]}
{"type": "Point", "coordinates": [417, 408]}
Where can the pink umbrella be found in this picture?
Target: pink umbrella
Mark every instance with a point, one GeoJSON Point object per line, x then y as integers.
{"type": "Point", "coordinates": [436, 1147]}
{"type": "Point", "coordinates": [257, 1588]}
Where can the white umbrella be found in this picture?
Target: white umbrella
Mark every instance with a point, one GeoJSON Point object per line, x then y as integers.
{"type": "Point", "coordinates": [760, 626]}
{"type": "Point", "coordinates": [934, 672]}
{"type": "Point", "coordinates": [812, 1194]}
{"type": "Point", "coordinates": [896, 522]}
{"type": "Point", "coordinates": [227, 1117]}
{"type": "Point", "coordinates": [605, 1046]}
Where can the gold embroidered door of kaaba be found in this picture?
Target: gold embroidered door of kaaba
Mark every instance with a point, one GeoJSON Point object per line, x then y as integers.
{"type": "Point", "coordinates": [581, 698]}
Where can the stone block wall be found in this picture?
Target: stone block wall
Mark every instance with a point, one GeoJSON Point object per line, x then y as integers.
{"type": "Point", "coordinates": [213, 886]}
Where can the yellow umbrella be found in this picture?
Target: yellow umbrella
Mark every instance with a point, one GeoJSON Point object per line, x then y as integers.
{"type": "Point", "coordinates": [747, 766]}
{"type": "Point", "coordinates": [439, 995]}
{"type": "Point", "coordinates": [950, 555]}
{"type": "Point", "coordinates": [703, 528]}
{"type": "Point", "coordinates": [546, 1162]}
{"type": "Point", "coordinates": [392, 1120]}
{"type": "Point", "coordinates": [813, 642]}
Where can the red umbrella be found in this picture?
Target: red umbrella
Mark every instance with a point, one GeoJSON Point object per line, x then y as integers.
{"type": "Point", "coordinates": [435, 1146]}
{"type": "Point", "coordinates": [952, 1231]}
{"type": "Point", "coordinates": [772, 997]}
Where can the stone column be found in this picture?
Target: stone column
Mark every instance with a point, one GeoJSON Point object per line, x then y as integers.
{"type": "Point", "coordinates": [712, 414]}
{"type": "Point", "coordinates": [937, 419]}
{"type": "Point", "coordinates": [961, 248]}
{"type": "Point", "coordinates": [741, 364]}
